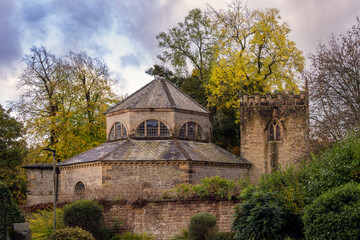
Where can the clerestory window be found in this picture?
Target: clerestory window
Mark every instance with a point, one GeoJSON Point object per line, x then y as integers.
{"type": "Point", "coordinates": [191, 130]}
{"type": "Point", "coordinates": [274, 131]}
{"type": "Point", "coordinates": [117, 131]}
{"type": "Point", "coordinates": [152, 128]}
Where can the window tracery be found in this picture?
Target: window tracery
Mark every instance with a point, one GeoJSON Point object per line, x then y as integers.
{"type": "Point", "coordinates": [274, 131]}
{"type": "Point", "coordinates": [117, 131]}
{"type": "Point", "coordinates": [191, 130]}
{"type": "Point", "coordinates": [152, 128]}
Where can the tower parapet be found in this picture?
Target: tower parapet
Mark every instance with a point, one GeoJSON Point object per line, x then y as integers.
{"type": "Point", "coordinates": [278, 99]}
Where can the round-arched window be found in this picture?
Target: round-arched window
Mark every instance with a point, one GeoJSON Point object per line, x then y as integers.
{"type": "Point", "coordinates": [80, 190]}
{"type": "Point", "coordinates": [152, 128]}
{"type": "Point", "coordinates": [191, 130]}
{"type": "Point", "coordinates": [274, 131]}
{"type": "Point", "coordinates": [117, 131]}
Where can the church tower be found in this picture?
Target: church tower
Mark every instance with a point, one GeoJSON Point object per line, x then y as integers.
{"type": "Point", "coordinates": [274, 131]}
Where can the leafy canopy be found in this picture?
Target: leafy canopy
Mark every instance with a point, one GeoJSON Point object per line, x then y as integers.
{"type": "Point", "coordinates": [253, 53]}
{"type": "Point", "coordinates": [12, 152]}
{"type": "Point", "coordinates": [62, 102]}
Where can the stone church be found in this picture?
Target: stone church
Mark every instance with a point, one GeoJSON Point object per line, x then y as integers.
{"type": "Point", "coordinates": [159, 137]}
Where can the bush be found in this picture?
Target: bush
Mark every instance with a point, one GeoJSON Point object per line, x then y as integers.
{"type": "Point", "coordinates": [9, 212]}
{"type": "Point", "coordinates": [287, 186]}
{"type": "Point", "coordinates": [224, 236]}
{"type": "Point", "coordinates": [71, 234]}
{"type": "Point", "coordinates": [85, 214]}
{"type": "Point", "coordinates": [336, 166]}
{"type": "Point", "coordinates": [210, 188]}
{"type": "Point", "coordinates": [202, 227]}
{"type": "Point", "coordinates": [260, 217]}
{"type": "Point", "coordinates": [42, 223]}
{"type": "Point", "coordinates": [335, 214]}
{"type": "Point", "coordinates": [183, 236]}
{"type": "Point", "coordinates": [133, 236]}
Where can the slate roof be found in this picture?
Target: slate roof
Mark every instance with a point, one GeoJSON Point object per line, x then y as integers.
{"type": "Point", "coordinates": [159, 93]}
{"type": "Point", "coordinates": [156, 150]}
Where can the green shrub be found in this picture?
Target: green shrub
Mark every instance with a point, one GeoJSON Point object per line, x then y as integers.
{"type": "Point", "coordinates": [69, 233]}
{"type": "Point", "coordinates": [133, 236]}
{"type": "Point", "coordinates": [210, 188]}
{"type": "Point", "coordinates": [42, 223]}
{"type": "Point", "coordinates": [336, 166]}
{"type": "Point", "coordinates": [85, 214]}
{"type": "Point", "coordinates": [184, 235]}
{"type": "Point", "coordinates": [335, 214]}
{"type": "Point", "coordinates": [9, 212]}
{"type": "Point", "coordinates": [202, 227]}
{"type": "Point", "coordinates": [224, 236]}
{"type": "Point", "coordinates": [260, 217]}
{"type": "Point", "coordinates": [287, 186]}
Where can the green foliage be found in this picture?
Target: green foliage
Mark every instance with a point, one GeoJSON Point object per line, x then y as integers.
{"type": "Point", "coordinates": [62, 101]}
{"type": "Point", "coordinates": [334, 214]}
{"type": "Point", "coordinates": [42, 223]}
{"type": "Point", "coordinates": [9, 212]}
{"type": "Point", "coordinates": [69, 233]}
{"type": "Point", "coordinates": [224, 236]}
{"type": "Point", "coordinates": [259, 217]}
{"type": "Point", "coordinates": [202, 227]}
{"type": "Point", "coordinates": [210, 188]}
{"type": "Point", "coordinates": [86, 214]}
{"type": "Point", "coordinates": [336, 166]}
{"type": "Point", "coordinates": [253, 53]}
{"type": "Point", "coordinates": [12, 150]}
{"type": "Point", "coordinates": [133, 236]}
{"type": "Point", "coordinates": [183, 236]}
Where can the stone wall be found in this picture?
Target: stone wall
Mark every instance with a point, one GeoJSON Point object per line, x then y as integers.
{"type": "Point", "coordinates": [88, 174]}
{"type": "Point", "coordinates": [231, 172]}
{"type": "Point", "coordinates": [165, 219]}
{"type": "Point", "coordinates": [291, 111]}
{"type": "Point", "coordinates": [40, 185]}
{"type": "Point", "coordinates": [173, 119]}
{"type": "Point", "coordinates": [125, 178]}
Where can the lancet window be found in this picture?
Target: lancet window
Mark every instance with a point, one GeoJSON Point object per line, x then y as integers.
{"type": "Point", "coordinates": [152, 128]}
{"type": "Point", "coordinates": [117, 131]}
{"type": "Point", "coordinates": [274, 131]}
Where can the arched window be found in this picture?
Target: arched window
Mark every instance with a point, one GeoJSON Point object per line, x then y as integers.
{"type": "Point", "coordinates": [80, 190]}
{"type": "Point", "coordinates": [152, 128]}
{"type": "Point", "coordinates": [191, 130]}
{"type": "Point", "coordinates": [274, 131]}
{"type": "Point", "coordinates": [117, 131]}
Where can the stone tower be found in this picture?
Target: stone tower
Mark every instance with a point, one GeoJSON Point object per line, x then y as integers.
{"type": "Point", "coordinates": [274, 131]}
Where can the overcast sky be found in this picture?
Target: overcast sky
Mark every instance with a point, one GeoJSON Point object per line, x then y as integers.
{"type": "Point", "coordinates": [122, 32]}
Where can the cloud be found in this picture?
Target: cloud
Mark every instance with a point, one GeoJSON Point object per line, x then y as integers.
{"type": "Point", "coordinates": [10, 48]}
{"type": "Point", "coordinates": [129, 60]}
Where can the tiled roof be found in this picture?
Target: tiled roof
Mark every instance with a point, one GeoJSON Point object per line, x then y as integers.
{"type": "Point", "coordinates": [156, 150]}
{"type": "Point", "coordinates": [159, 93]}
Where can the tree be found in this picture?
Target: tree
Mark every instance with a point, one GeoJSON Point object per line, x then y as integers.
{"type": "Point", "coordinates": [253, 53]}
{"type": "Point", "coordinates": [62, 103]}
{"type": "Point", "coordinates": [12, 151]}
{"type": "Point", "coordinates": [191, 42]}
{"type": "Point", "coordinates": [40, 83]}
{"type": "Point", "coordinates": [334, 83]}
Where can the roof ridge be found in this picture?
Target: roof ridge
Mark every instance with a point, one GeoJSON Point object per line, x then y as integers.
{"type": "Point", "coordinates": [130, 96]}
{"type": "Point", "coordinates": [167, 91]}
{"type": "Point", "coordinates": [181, 149]}
{"type": "Point", "coordinates": [146, 91]}
{"type": "Point", "coordinates": [186, 95]}
{"type": "Point", "coordinates": [80, 154]}
{"type": "Point", "coordinates": [111, 152]}
{"type": "Point", "coordinates": [227, 152]}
